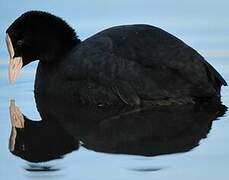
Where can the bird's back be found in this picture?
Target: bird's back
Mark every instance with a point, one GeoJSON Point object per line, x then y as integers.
{"type": "Point", "coordinates": [142, 62]}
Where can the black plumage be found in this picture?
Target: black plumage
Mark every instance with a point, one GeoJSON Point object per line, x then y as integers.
{"type": "Point", "coordinates": [130, 64]}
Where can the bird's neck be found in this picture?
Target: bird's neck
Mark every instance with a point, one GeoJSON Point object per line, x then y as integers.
{"type": "Point", "coordinates": [57, 50]}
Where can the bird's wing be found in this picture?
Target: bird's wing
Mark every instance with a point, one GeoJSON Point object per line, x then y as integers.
{"type": "Point", "coordinates": [143, 63]}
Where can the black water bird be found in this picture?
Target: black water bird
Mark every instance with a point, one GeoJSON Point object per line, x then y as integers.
{"type": "Point", "coordinates": [130, 64]}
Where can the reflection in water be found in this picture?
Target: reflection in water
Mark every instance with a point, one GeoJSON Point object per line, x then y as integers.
{"type": "Point", "coordinates": [146, 169]}
{"type": "Point", "coordinates": [148, 132]}
{"type": "Point", "coordinates": [38, 141]}
{"type": "Point", "coordinates": [38, 168]}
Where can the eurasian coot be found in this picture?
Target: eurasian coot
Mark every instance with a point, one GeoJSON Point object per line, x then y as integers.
{"type": "Point", "coordinates": [130, 64]}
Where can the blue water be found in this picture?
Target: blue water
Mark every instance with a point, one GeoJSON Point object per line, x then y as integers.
{"type": "Point", "coordinates": [201, 24]}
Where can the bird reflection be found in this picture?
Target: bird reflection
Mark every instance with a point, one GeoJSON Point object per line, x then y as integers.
{"type": "Point", "coordinates": [39, 168]}
{"type": "Point", "coordinates": [38, 141]}
{"type": "Point", "coordinates": [65, 125]}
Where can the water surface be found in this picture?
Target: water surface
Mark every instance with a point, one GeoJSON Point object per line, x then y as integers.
{"type": "Point", "coordinates": [117, 149]}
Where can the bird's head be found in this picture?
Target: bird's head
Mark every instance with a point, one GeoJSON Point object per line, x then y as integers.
{"type": "Point", "coordinates": [37, 35]}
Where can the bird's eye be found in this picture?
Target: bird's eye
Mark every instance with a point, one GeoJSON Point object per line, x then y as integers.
{"type": "Point", "coordinates": [20, 42]}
